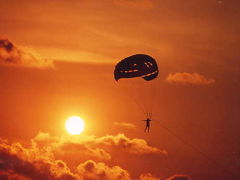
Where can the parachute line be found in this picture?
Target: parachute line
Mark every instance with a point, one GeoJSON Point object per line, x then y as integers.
{"type": "Point", "coordinates": [131, 96]}
{"type": "Point", "coordinates": [139, 72]}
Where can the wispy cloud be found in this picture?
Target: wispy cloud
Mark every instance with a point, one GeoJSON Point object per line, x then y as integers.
{"type": "Point", "coordinates": [179, 177]}
{"type": "Point", "coordinates": [125, 125]}
{"type": "Point", "coordinates": [149, 176]}
{"type": "Point", "coordinates": [139, 4]}
{"type": "Point", "coordinates": [189, 78]}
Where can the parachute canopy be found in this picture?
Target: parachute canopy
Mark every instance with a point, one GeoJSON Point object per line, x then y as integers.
{"type": "Point", "coordinates": [138, 65]}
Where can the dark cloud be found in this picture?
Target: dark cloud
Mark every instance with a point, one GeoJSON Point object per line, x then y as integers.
{"type": "Point", "coordinates": [12, 176]}
{"type": "Point", "coordinates": [6, 44]}
{"type": "Point", "coordinates": [13, 55]}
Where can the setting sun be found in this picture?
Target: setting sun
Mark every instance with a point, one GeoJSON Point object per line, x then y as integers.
{"type": "Point", "coordinates": [75, 125]}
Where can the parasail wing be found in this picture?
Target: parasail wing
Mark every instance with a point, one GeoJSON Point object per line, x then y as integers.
{"type": "Point", "coordinates": [139, 65]}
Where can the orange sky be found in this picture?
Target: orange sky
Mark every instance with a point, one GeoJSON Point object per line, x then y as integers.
{"type": "Point", "coordinates": [62, 62]}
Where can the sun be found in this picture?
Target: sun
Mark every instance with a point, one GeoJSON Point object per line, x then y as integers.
{"type": "Point", "coordinates": [75, 125]}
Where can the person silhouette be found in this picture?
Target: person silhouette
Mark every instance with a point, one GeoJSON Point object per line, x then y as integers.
{"type": "Point", "coordinates": [147, 128]}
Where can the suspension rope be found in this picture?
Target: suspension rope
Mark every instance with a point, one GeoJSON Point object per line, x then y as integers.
{"type": "Point", "coordinates": [131, 96]}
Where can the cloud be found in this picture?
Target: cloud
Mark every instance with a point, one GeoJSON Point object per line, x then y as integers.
{"type": "Point", "coordinates": [11, 176]}
{"type": "Point", "coordinates": [135, 4]}
{"type": "Point", "coordinates": [148, 176]}
{"type": "Point", "coordinates": [125, 125]}
{"type": "Point", "coordinates": [38, 161]}
{"type": "Point", "coordinates": [13, 55]}
{"type": "Point", "coordinates": [189, 78]}
{"type": "Point", "coordinates": [132, 146]}
{"type": "Point", "coordinates": [33, 164]}
{"type": "Point", "coordinates": [59, 146]}
{"type": "Point", "coordinates": [91, 170]}
{"type": "Point", "coordinates": [92, 147]}
{"type": "Point", "coordinates": [30, 164]}
{"type": "Point", "coordinates": [179, 177]}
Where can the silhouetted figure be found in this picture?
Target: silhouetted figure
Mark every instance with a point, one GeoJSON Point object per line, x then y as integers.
{"type": "Point", "coordinates": [147, 128]}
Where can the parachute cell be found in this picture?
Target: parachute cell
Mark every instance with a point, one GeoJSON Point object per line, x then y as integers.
{"type": "Point", "coordinates": [139, 65]}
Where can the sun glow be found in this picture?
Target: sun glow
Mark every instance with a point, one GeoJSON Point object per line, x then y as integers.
{"type": "Point", "coordinates": [75, 125]}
